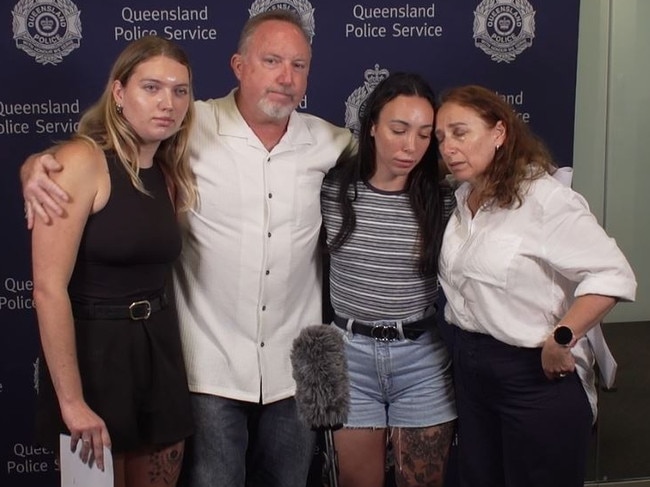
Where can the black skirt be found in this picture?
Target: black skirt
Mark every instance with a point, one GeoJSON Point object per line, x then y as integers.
{"type": "Point", "coordinates": [133, 376]}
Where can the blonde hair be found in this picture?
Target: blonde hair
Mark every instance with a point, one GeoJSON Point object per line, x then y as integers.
{"type": "Point", "coordinates": [103, 124]}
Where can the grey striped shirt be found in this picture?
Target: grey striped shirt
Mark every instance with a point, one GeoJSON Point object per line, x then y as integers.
{"type": "Point", "coordinates": [374, 275]}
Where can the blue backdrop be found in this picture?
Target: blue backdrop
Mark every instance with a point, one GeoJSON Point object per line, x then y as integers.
{"type": "Point", "coordinates": [55, 59]}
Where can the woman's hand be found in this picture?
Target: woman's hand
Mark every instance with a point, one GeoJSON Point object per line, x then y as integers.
{"type": "Point", "coordinates": [85, 425]}
{"type": "Point", "coordinates": [557, 360]}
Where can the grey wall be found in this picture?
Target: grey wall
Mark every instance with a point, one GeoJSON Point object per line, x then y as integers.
{"type": "Point", "coordinates": [612, 132]}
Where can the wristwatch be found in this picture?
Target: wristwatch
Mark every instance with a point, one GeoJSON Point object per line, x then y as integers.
{"type": "Point", "coordinates": [563, 335]}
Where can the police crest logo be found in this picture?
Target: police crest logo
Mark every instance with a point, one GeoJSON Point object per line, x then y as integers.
{"type": "Point", "coordinates": [503, 29]}
{"type": "Point", "coordinates": [47, 30]}
{"type": "Point", "coordinates": [302, 8]}
{"type": "Point", "coordinates": [356, 102]}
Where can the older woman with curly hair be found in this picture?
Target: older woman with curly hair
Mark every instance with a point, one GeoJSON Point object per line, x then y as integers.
{"type": "Point", "coordinates": [527, 271]}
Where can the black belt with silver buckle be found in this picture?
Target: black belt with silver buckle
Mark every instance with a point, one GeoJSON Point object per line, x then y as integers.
{"type": "Point", "coordinates": [136, 311]}
{"type": "Point", "coordinates": [386, 332]}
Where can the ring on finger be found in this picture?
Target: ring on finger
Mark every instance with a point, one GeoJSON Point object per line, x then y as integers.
{"type": "Point", "coordinates": [562, 374]}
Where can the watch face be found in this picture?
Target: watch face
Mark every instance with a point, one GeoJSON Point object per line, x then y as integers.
{"type": "Point", "coordinates": [563, 335]}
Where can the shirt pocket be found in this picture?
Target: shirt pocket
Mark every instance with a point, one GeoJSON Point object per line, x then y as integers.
{"type": "Point", "coordinates": [307, 200]}
{"type": "Point", "coordinates": [491, 258]}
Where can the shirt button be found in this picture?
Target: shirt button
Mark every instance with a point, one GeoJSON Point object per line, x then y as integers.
{"type": "Point", "coordinates": [268, 159]}
{"type": "Point", "coordinates": [268, 272]}
{"type": "Point", "coordinates": [270, 195]}
{"type": "Point", "coordinates": [269, 234]}
{"type": "Point", "coordinates": [262, 344]}
{"type": "Point", "coordinates": [264, 308]}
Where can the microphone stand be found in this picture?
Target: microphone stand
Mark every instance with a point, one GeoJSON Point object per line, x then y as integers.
{"type": "Point", "coordinates": [331, 459]}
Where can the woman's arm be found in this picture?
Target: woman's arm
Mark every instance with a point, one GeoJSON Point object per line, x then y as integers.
{"type": "Point", "coordinates": [578, 248]}
{"type": "Point", "coordinates": [585, 313]}
{"type": "Point", "coordinates": [54, 252]}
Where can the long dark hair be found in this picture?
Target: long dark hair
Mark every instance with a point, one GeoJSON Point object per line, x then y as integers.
{"type": "Point", "coordinates": [422, 182]}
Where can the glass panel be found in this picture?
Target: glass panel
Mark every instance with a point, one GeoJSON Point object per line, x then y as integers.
{"type": "Point", "coordinates": [612, 169]}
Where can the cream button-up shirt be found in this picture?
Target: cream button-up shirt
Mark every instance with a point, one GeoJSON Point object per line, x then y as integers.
{"type": "Point", "coordinates": [248, 279]}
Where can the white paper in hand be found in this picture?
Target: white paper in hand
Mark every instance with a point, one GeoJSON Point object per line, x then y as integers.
{"type": "Point", "coordinates": [75, 473]}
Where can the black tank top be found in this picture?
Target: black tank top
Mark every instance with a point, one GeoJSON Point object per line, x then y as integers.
{"type": "Point", "coordinates": [128, 247]}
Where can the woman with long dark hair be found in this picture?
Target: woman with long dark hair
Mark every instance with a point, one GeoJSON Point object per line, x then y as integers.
{"type": "Point", "coordinates": [384, 215]}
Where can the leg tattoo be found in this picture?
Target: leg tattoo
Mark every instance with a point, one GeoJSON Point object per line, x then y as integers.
{"type": "Point", "coordinates": [165, 465]}
{"type": "Point", "coordinates": [421, 454]}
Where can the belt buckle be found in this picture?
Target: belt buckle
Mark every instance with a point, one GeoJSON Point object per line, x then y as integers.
{"type": "Point", "coordinates": [384, 333]}
{"type": "Point", "coordinates": [140, 310]}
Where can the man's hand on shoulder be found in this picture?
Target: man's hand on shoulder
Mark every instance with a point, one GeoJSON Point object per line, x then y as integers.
{"type": "Point", "coordinates": [43, 197]}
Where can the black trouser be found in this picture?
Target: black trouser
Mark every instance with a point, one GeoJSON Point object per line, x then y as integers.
{"type": "Point", "coordinates": [516, 428]}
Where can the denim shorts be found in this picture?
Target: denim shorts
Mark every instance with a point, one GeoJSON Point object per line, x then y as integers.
{"type": "Point", "coordinates": [403, 383]}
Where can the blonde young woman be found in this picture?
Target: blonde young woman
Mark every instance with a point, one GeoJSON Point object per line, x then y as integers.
{"type": "Point", "coordinates": [115, 375]}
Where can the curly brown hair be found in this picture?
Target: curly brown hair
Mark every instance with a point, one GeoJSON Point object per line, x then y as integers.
{"type": "Point", "coordinates": [522, 157]}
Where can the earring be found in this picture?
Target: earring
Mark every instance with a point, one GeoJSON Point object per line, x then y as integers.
{"type": "Point", "coordinates": [497, 148]}
{"type": "Point", "coordinates": [118, 108]}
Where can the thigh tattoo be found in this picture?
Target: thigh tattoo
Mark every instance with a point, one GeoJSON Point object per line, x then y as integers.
{"type": "Point", "coordinates": [421, 454]}
{"type": "Point", "coordinates": [165, 465]}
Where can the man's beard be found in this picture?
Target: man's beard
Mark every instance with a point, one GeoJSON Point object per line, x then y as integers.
{"type": "Point", "coordinates": [275, 110]}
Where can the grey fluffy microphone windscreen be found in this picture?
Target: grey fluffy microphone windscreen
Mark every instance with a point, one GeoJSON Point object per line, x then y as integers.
{"type": "Point", "coordinates": [321, 373]}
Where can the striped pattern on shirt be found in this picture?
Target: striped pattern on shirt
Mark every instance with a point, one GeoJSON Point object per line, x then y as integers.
{"type": "Point", "coordinates": [374, 275]}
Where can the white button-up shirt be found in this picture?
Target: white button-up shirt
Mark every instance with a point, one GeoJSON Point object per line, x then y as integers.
{"type": "Point", "coordinates": [248, 279]}
{"type": "Point", "coordinates": [513, 273]}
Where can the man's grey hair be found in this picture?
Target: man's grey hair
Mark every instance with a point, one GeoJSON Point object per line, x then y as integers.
{"type": "Point", "coordinates": [280, 14]}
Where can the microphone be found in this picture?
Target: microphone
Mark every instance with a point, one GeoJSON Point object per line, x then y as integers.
{"type": "Point", "coordinates": [320, 370]}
